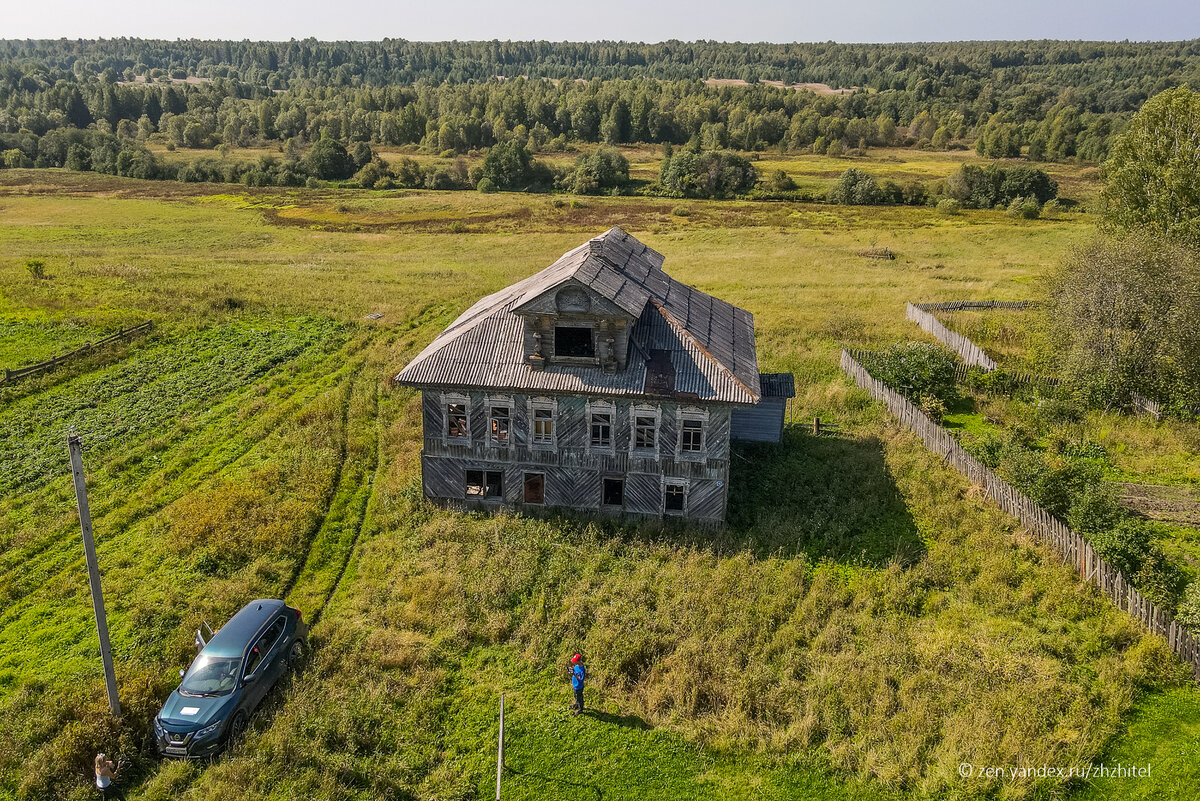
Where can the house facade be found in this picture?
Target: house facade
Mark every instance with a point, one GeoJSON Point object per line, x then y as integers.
{"type": "Point", "coordinates": [598, 384]}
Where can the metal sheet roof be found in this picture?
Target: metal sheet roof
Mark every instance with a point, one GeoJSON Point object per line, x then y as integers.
{"type": "Point", "coordinates": [710, 342]}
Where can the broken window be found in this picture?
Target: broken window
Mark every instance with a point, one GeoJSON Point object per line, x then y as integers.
{"type": "Point", "coordinates": [674, 496]}
{"type": "Point", "coordinates": [499, 419]}
{"type": "Point", "coordinates": [645, 431]}
{"type": "Point", "coordinates": [486, 484]}
{"type": "Point", "coordinates": [691, 436]}
{"type": "Point", "coordinates": [535, 488]}
{"type": "Point", "coordinates": [601, 429]}
{"type": "Point", "coordinates": [456, 420]}
{"type": "Point", "coordinates": [543, 426]}
{"type": "Point", "coordinates": [574, 342]}
{"type": "Point", "coordinates": [613, 493]}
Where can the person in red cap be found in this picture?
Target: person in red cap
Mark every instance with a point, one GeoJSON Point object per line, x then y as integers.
{"type": "Point", "coordinates": [578, 676]}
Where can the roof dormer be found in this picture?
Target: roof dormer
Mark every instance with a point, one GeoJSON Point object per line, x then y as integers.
{"type": "Point", "coordinates": [572, 325]}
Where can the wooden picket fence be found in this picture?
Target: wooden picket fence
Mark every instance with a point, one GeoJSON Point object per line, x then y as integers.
{"type": "Point", "coordinates": [976, 305]}
{"type": "Point", "coordinates": [971, 353]}
{"type": "Point", "coordinates": [1071, 547]}
{"type": "Point", "coordinates": [57, 360]}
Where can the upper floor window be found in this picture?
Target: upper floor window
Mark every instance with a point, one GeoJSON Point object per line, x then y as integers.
{"type": "Point", "coordinates": [574, 342]}
{"type": "Point", "coordinates": [691, 435]}
{"type": "Point", "coordinates": [499, 424]}
{"type": "Point", "coordinates": [644, 428]}
{"type": "Point", "coordinates": [601, 429]}
{"type": "Point", "coordinates": [543, 426]}
{"type": "Point", "coordinates": [456, 421]}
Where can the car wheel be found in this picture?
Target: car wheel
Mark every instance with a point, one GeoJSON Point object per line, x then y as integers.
{"type": "Point", "coordinates": [237, 727]}
{"type": "Point", "coordinates": [296, 655]}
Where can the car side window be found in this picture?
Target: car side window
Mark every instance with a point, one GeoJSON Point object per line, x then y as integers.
{"type": "Point", "coordinates": [263, 645]}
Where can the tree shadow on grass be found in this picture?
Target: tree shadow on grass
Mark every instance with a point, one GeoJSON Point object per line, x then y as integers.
{"type": "Point", "coordinates": [828, 497]}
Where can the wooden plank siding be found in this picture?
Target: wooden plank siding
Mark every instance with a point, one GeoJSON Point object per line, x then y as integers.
{"type": "Point", "coordinates": [573, 470]}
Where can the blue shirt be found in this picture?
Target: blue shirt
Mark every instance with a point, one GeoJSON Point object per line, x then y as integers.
{"type": "Point", "coordinates": [578, 674]}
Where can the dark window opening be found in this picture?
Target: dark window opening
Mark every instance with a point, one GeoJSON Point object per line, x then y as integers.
{"type": "Point", "coordinates": [692, 436]}
{"type": "Point", "coordinates": [673, 497]}
{"type": "Point", "coordinates": [643, 432]}
{"type": "Point", "coordinates": [488, 484]}
{"type": "Point", "coordinates": [535, 488]}
{"type": "Point", "coordinates": [614, 492]}
{"type": "Point", "coordinates": [574, 342]}
{"type": "Point", "coordinates": [456, 420]}
{"type": "Point", "coordinates": [601, 429]}
{"type": "Point", "coordinates": [500, 421]}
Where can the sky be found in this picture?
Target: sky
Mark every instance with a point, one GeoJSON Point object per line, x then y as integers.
{"type": "Point", "coordinates": [631, 20]}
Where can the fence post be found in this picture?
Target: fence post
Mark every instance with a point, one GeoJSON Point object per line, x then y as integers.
{"type": "Point", "coordinates": [500, 749]}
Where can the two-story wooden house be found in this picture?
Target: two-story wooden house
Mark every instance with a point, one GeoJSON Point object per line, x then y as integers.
{"type": "Point", "coordinates": [600, 383]}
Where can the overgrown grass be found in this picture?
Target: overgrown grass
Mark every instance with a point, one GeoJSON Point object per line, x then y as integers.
{"type": "Point", "coordinates": [865, 624]}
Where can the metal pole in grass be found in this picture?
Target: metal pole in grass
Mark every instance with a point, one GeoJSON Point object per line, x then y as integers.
{"type": "Point", "coordinates": [75, 448]}
{"type": "Point", "coordinates": [500, 749]}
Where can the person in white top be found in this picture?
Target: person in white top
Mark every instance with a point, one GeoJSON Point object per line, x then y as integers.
{"type": "Point", "coordinates": [106, 771]}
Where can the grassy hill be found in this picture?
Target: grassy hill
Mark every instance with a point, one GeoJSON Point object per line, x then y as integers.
{"type": "Point", "coordinates": [864, 626]}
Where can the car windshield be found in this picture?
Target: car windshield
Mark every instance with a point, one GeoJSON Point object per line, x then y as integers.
{"type": "Point", "coordinates": [211, 675]}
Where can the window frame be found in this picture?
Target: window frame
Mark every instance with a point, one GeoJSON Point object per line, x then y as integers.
{"type": "Point", "coordinates": [450, 399]}
{"type": "Point", "coordinates": [545, 405]}
{"type": "Point", "coordinates": [686, 414]}
{"type": "Point", "coordinates": [484, 485]}
{"type": "Point", "coordinates": [499, 402]}
{"type": "Point", "coordinates": [602, 407]}
{"type": "Point", "coordinates": [671, 481]}
{"type": "Point", "coordinates": [654, 412]}
{"type": "Point", "coordinates": [525, 487]}
{"type": "Point", "coordinates": [603, 486]}
{"type": "Point", "coordinates": [587, 325]}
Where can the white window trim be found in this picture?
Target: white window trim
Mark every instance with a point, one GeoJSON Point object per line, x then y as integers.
{"type": "Point", "coordinates": [601, 407]}
{"type": "Point", "coordinates": [507, 402]}
{"type": "Point", "coordinates": [691, 413]}
{"type": "Point", "coordinates": [670, 481]}
{"type": "Point", "coordinates": [645, 410]}
{"type": "Point", "coordinates": [447, 399]}
{"type": "Point", "coordinates": [550, 404]}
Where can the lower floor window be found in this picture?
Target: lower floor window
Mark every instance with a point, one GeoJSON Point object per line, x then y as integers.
{"type": "Point", "coordinates": [674, 496]}
{"type": "Point", "coordinates": [535, 488]}
{"type": "Point", "coordinates": [613, 492]}
{"type": "Point", "coordinates": [487, 484]}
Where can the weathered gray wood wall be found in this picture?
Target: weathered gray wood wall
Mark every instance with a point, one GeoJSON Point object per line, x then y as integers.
{"type": "Point", "coordinates": [762, 422]}
{"type": "Point", "coordinates": [1044, 527]}
{"type": "Point", "coordinates": [573, 471]}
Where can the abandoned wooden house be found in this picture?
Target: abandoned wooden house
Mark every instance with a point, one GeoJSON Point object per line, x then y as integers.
{"type": "Point", "coordinates": [600, 383]}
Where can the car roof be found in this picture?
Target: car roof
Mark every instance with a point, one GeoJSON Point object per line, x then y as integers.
{"type": "Point", "coordinates": [232, 638]}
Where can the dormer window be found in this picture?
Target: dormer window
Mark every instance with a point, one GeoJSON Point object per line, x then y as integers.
{"type": "Point", "coordinates": [574, 342]}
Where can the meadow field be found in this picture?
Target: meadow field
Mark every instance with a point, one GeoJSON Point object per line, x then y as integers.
{"type": "Point", "coordinates": [864, 626]}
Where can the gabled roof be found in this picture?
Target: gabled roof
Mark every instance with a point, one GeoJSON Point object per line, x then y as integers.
{"type": "Point", "coordinates": [710, 343]}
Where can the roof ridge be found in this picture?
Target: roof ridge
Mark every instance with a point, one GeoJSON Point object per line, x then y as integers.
{"type": "Point", "coordinates": [683, 331]}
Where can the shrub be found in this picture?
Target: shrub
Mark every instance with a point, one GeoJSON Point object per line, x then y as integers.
{"type": "Point", "coordinates": [710, 173]}
{"type": "Point", "coordinates": [486, 186]}
{"type": "Point", "coordinates": [919, 370]}
{"type": "Point", "coordinates": [855, 188]}
{"type": "Point", "coordinates": [949, 205]}
{"type": "Point", "coordinates": [37, 269]}
{"type": "Point", "coordinates": [681, 211]}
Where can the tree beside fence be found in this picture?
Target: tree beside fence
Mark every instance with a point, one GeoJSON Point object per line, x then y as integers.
{"type": "Point", "coordinates": [1071, 547]}
{"type": "Point", "coordinates": [55, 361]}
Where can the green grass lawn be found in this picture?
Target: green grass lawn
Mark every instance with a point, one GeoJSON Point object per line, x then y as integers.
{"type": "Point", "coordinates": [865, 624]}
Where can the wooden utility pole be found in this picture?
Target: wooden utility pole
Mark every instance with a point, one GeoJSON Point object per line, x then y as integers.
{"type": "Point", "coordinates": [75, 448]}
{"type": "Point", "coordinates": [500, 749]}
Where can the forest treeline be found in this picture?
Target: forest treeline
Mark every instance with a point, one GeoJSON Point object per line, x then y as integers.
{"type": "Point", "coordinates": [1045, 100]}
